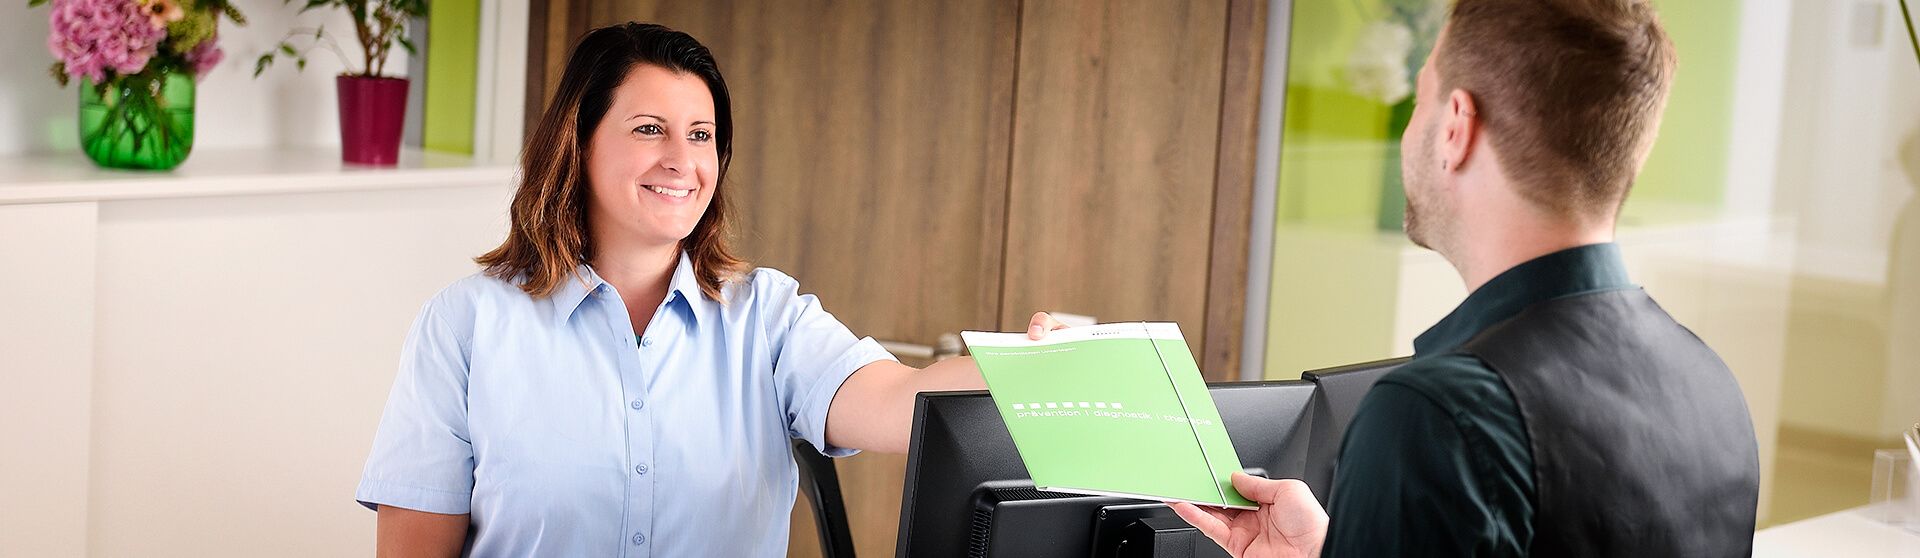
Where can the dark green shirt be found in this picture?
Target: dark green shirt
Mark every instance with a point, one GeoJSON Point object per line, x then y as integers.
{"type": "Point", "coordinates": [1437, 460]}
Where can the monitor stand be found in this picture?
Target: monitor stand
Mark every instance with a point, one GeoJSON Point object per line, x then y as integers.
{"type": "Point", "coordinates": [1148, 531]}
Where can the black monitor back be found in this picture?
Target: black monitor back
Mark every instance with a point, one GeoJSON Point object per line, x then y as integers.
{"type": "Point", "coordinates": [1334, 403]}
{"type": "Point", "coordinates": [968, 494]}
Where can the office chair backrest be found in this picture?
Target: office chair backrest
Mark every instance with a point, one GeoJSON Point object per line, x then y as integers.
{"type": "Point", "coordinates": [1335, 401]}
{"type": "Point", "coordinates": [821, 483]}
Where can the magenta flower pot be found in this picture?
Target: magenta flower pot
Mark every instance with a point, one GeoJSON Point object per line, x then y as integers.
{"type": "Point", "coordinates": [372, 110]}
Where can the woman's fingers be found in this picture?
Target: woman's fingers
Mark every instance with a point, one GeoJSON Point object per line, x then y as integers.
{"type": "Point", "coordinates": [1042, 323]}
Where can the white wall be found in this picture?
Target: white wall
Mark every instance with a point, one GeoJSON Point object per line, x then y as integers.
{"type": "Point", "coordinates": [1852, 71]}
{"type": "Point", "coordinates": [201, 376]}
{"type": "Point", "coordinates": [282, 108]}
{"type": "Point", "coordinates": [1851, 83]}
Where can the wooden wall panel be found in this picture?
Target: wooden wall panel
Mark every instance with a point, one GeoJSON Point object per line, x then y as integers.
{"type": "Point", "coordinates": [870, 160]}
{"type": "Point", "coordinates": [927, 167]}
{"type": "Point", "coordinates": [1114, 151]}
{"type": "Point", "coordinates": [1233, 188]}
{"type": "Point", "coordinates": [870, 155]}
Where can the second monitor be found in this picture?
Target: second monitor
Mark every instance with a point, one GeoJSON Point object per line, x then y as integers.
{"type": "Point", "coordinates": [968, 494]}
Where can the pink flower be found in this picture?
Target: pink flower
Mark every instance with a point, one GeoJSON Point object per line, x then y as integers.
{"type": "Point", "coordinates": [205, 56]}
{"type": "Point", "coordinates": [162, 12]}
{"type": "Point", "coordinates": [93, 37]}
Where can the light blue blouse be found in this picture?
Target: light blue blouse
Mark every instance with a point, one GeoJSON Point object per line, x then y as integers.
{"type": "Point", "coordinates": [564, 434]}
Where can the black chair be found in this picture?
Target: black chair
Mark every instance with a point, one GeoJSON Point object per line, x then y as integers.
{"type": "Point", "coordinates": [821, 483]}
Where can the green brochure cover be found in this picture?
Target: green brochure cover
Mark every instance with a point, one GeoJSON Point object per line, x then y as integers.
{"type": "Point", "coordinates": [1111, 410]}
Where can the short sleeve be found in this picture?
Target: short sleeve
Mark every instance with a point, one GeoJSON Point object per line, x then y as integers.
{"type": "Point", "coordinates": [1413, 481]}
{"type": "Point", "coordinates": [422, 456]}
{"type": "Point", "coordinates": [813, 355]}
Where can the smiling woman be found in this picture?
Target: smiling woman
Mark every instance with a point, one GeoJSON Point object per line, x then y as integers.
{"type": "Point", "coordinates": [654, 168]}
{"type": "Point", "coordinates": [610, 120]}
{"type": "Point", "coordinates": [614, 382]}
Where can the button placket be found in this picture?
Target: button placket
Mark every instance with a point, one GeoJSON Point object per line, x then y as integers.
{"type": "Point", "coordinates": [640, 493]}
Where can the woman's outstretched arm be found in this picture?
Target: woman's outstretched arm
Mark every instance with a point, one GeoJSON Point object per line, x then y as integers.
{"type": "Point", "coordinates": [873, 410]}
{"type": "Point", "coordinates": [405, 533]}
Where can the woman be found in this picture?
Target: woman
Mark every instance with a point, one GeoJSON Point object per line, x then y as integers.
{"type": "Point", "coordinates": [614, 383]}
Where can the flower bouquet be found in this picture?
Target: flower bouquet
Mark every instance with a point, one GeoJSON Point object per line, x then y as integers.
{"type": "Point", "coordinates": [136, 61]}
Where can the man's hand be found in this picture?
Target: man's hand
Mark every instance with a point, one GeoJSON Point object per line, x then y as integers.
{"type": "Point", "coordinates": [1289, 522]}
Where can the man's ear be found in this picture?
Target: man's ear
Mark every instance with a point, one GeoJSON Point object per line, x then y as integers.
{"type": "Point", "coordinates": [1460, 134]}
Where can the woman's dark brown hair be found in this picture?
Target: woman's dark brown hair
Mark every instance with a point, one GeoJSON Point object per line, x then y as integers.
{"type": "Point", "coordinates": [548, 240]}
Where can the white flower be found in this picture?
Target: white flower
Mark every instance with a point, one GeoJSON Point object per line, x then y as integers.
{"type": "Point", "coordinates": [1377, 69]}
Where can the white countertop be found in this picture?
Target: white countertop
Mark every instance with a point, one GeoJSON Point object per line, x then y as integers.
{"type": "Point", "coordinates": [70, 177]}
{"type": "Point", "coordinates": [1853, 532]}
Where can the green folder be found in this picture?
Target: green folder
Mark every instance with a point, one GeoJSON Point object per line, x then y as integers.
{"type": "Point", "coordinates": [1111, 410]}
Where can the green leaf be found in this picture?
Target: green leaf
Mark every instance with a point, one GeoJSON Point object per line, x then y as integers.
{"type": "Point", "coordinates": [36, 4]}
{"type": "Point", "coordinates": [314, 4]}
{"type": "Point", "coordinates": [406, 44]}
{"type": "Point", "coordinates": [288, 48]}
{"type": "Point", "coordinates": [1912, 37]}
{"type": "Point", "coordinates": [59, 71]}
{"type": "Point", "coordinates": [233, 13]}
{"type": "Point", "coordinates": [260, 66]}
{"type": "Point", "coordinates": [300, 64]}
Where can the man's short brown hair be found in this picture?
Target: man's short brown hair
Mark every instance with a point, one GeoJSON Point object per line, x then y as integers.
{"type": "Point", "coordinates": [1569, 91]}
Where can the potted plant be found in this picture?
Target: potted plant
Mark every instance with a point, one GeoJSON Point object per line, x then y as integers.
{"type": "Point", "coordinates": [136, 61]}
{"type": "Point", "coordinates": [373, 106]}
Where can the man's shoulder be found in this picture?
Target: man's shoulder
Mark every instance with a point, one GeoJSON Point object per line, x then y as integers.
{"type": "Point", "coordinates": [1437, 456]}
{"type": "Point", "coordinates": [1454, 382]}
{"type": "Point", "coordinates": [1462, 388]}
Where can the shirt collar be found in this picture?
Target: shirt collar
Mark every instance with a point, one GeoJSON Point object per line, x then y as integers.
{"type": "Point", "coordinates": [683, 290]}
{"type": "Point", "coordinates": [1573, 271]}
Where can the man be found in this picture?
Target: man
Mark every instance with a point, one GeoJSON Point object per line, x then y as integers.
{"type": "Point", "coordinates": [1558, 411]}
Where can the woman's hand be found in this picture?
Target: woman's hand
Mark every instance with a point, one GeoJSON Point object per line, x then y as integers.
{"type": "Point", "coordinates": [1040, 324]}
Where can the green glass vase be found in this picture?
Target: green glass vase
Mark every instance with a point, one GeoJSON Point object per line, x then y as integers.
{"type": "Point", "coordinates": [144, 121]}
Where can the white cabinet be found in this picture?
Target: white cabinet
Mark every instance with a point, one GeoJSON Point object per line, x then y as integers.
{"type": "Point", "coordinates": [192, 363]}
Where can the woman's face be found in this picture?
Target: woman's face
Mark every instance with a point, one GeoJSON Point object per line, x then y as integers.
{"type": "Point", "coordinates": [653, 159]}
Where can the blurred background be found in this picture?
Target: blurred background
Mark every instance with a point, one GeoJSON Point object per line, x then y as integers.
{"type": "Point", "coordinates": [192, 362]}
{"type": "Point", "coordinates": [1775, 218]}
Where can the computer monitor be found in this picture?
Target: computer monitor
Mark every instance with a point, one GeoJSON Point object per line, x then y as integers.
{"type": "Point", "coordinates": [968, 494]}
{"type": "Point", "coordinates": [1341, 389]}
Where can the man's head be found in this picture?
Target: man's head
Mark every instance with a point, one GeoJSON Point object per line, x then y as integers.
{"type": "Point", "coordinates": [1550, 103]}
